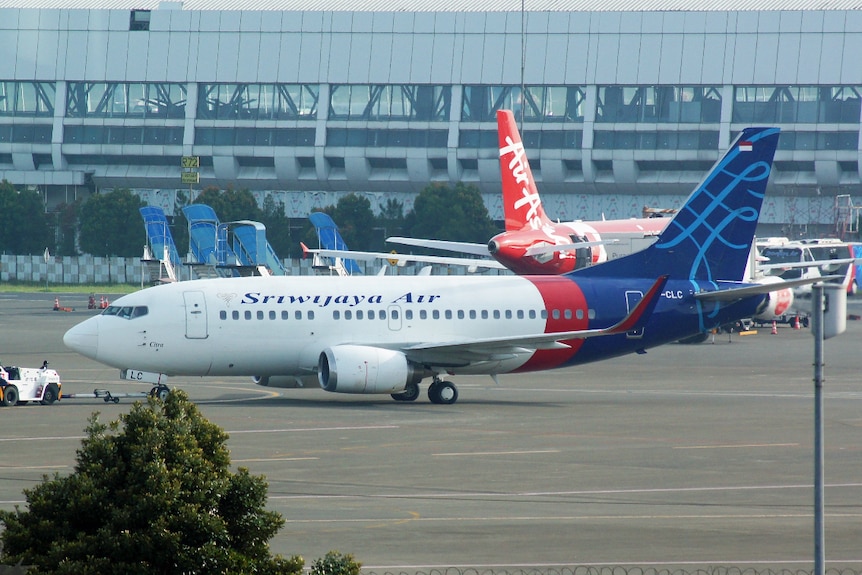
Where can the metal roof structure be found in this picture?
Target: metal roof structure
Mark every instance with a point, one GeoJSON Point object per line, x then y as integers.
{"type": "Point", "coordinates": [444, 5]}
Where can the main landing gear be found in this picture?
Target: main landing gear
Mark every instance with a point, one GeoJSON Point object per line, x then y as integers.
{"type": "Point", "coordinates": [440, 392]}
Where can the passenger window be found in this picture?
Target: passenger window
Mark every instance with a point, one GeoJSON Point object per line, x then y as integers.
{"type": "Point", "coordinates": [348, 314]}
{"type": "Point", "coordinates": [359, 314]}
{"type": "Point", "coordinates": [297, 314]}
{"type": "Point", "coordinates": [532, 314]}
{"type": "Point", "coordinates": [460, 314]}
{"type": "Point", "coordinates": [336, 314]}
{"type": "Point", "coordinates": [260, 314]}
{"type": "Point", "coordinates": [222, 314]}
{"type": "Point", "coordinates": [435, 314]}
{"type": "Point", "coordinates": [591, 313]}
{"type": "Point", "coordinates": [234, 314]}
{"type": "Point", "coordinates": [520, 314]}
{"type": "Point", "coordinates": [555, 314]}
{"type": "Point", "coordinates": [472, 314]}
{"type": "Point", "coordinates": [382, 314]}
{"type": "Point", "coordinates": [423, 314]}
{"type": "Point", "coordinates": [248, 314]}
{"type": "Point", "coordinates": [285, 315]}
{"type": "Point", "coordinates": [496, 314]}
{"type": "Point", "coordinates": [311, 315]}
{"type": "Point", "coordinates": [567, 314]}
{"type": "Point", "coordinates": [579, 314]}
{"type": "Point", "coordinates": [448, 314]}
{"type": "Point", "coordinates": [371, 314]}
{"type": "Point", "coordinates": [408, 314]}
{"type": "Point", "coordinates": [272, 314]}
{"type": "Point", "coordinates": [394, 314]}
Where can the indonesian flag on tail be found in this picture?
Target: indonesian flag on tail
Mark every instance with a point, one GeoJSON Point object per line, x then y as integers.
{"type": "Point", "coordinates": [745, 146]}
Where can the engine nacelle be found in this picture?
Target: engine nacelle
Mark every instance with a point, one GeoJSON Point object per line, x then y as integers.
{"type": "Point", "coordinates": [365, 369]}
{"type": "Point", "coordinates": [285, 381]}
{"type": "Point", "coordinates": [779, 302]}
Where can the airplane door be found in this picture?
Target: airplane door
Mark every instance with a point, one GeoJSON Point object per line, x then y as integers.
{"type": "Point", "coordinates": [394, 317]}
{"type": "Point", "coordinates": [632, 299]}
{"type": "Point", "coordinates": [196, 315]}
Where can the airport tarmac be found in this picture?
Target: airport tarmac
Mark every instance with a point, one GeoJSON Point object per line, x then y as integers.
{"type": "Point", "coordinates": [686, 457]}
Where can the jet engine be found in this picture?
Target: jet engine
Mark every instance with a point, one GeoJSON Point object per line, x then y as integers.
{"type": "Point", "coordinates": [779, 302]}
{"type": "Point", "coordinates": [364, 369]}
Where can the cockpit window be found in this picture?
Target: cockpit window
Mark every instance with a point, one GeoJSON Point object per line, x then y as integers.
{"type": "Point", "coordinates": [126, 312]}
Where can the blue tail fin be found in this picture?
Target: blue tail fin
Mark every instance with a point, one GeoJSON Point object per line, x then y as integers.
{"type": "Point", "coordinates": [711, 236]}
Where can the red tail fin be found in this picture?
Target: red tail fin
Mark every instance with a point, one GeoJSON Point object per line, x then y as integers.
{"type": "Point", "coordinates": [521, 203]}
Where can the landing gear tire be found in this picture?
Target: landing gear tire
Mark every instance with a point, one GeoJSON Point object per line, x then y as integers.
{"type": "Point", "coordinates": [52, 393]}
{"type": "Point", "coordinates": [443, 393]}
{"type": "Point", "coordinates": [10, 395]}
{"type": "Point", "coordinates": [160, 391]}
{"type": "Point", "coordinates": [410, 393]}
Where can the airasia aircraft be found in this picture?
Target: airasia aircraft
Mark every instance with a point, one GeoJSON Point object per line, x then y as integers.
{"type": "Point", "coordinates": [532, 242]}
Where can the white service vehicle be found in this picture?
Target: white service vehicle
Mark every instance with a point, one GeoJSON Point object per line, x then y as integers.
{"type": "Point", "coordinates": [23, 384]}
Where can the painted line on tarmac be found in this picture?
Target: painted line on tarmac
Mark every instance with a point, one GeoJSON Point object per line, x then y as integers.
{"type": "Point", "coordinates": [263, 459]}
{"type": "Point", "coordinates": [469, 453]}
{"type": "Point", "coordinates": [497, 494]}
{"type": "Point", "coordinates": [300, 429]}
{"type": "Point", "coordinates": [733, 446]}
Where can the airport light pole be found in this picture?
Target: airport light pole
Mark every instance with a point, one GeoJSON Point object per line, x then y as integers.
{"type": "Point", "coordinates": [829, 318]}
{"type": "Point", "coordinates": [819, 532]}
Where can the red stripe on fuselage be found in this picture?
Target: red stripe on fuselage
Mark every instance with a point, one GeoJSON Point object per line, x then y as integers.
{"type": "Point", "coordinates": [559, 293]}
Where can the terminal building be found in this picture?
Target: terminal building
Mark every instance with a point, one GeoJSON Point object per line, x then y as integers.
{"type": "Point", "coordinates": [622, 103]}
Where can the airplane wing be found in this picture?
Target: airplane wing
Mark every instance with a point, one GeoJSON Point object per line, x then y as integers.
{"type": "Point", "coordinates": [460, 353]}
{"type": "Point", "coordinates": [733, 294]}
{"type": "Point", "coordinates": [462, 247]}
{"type": "Point", "coordinates": [403, 258]}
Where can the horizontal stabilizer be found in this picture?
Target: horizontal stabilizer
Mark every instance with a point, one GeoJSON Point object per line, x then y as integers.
{"type": "Point", "coordinates": [733, 294]}
{"type": "Point", "coordinates": [460, 247]}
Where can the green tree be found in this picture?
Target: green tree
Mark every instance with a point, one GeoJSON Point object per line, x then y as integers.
{"type": "Point", "coordinates": [277, 226]}
{"type": "Point", "coordinates": [454, 214]}
{"type": "Point", "coordinates": [231, 205]}
{"type": "Point", "coordinates": [67, 221]}
{"type": "Point", "coordinates": [355, 221]}
{"type": "Point", "coordinates": [25, 229]}
{"type": "Point", "coordinates": [390, 220]}
{"type": "Point", "coordinates": [110, 225]}
{"type": "Point", "coordinates": [156, 496]}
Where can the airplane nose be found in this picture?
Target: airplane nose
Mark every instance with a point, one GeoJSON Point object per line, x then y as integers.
{"type": "Point", "coordinates": [84, 338]}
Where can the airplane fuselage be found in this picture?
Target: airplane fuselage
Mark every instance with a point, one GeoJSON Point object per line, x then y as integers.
{"type": "Point", "coordinates": [280, 326]}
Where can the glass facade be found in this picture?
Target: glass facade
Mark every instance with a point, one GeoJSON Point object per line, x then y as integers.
{"type": "Point", "coordinates": [125, 100]}
{"type": "Point", "coordinates": [258, 101]}
{"type": "Point", "coordinates": [390, 102]}
{"type": "Point", "coordinates": [797, 104]}
{"type": "Point", "coordinates": [553, 115]}
{"type": "Point", "coordinates": [659, 104]}
{"type": "Point", "coordinates": [27, 98]}
{"type": "Point", "coordinates": [543, 103]}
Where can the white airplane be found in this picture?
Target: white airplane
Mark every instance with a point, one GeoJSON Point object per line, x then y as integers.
{"type": "Point", "coordinates": [368, 335]}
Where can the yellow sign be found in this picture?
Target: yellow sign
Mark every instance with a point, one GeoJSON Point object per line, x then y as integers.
{"type": "Point", "coordinates": [393, 261]}
{"type": "Point", "coordinates": [190, 177]}
{"type": "Point", "coordinates": [191, 162]}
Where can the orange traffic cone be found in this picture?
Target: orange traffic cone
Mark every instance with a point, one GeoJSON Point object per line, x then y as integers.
{"type": "Point", "coordinates": [56, 304]}
{"type": "Point", "coordinates": [774, 328]}
{"type": "Point", "coordinates": [796, 323]}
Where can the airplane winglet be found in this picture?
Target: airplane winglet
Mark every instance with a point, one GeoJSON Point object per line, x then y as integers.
{"type": "Point", "coordinates": [305, 250]}
{"type": "Point", "coordinates": [642, 311]}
